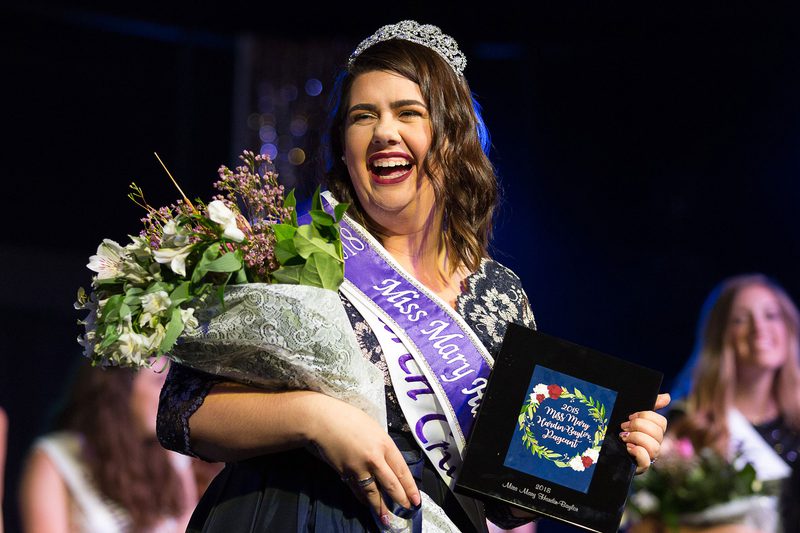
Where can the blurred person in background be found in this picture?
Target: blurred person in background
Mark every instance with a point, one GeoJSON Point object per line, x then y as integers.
{"type": "Point", "coordinates": [742, 401]}
{"type": "Point", "coordinates": [101, 468]}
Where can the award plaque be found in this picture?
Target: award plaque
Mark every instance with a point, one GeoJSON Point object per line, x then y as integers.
{"type": "Point", "coordinates": [546, 438]}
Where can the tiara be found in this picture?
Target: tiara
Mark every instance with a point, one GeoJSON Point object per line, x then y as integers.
{"type": "Point", "coordinates": [424, 34]}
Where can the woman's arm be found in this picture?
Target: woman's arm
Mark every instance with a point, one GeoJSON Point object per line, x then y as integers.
{"type": "Point", "coordinates": [236, 422]}
{"type": "Point", "coordinates": [43, 496]}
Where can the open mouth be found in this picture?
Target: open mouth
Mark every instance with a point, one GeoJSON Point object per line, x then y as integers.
{"type": "Point", "coordinates": [390, 168]}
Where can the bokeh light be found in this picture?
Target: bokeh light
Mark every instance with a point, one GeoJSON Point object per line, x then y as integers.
{"type": "Point", "coordinates": [297, 156]}
{"type": "Point", "coordinates": [313, 87]}
{"type": "Point", "coordinates": [299, 126]}
{"type": "Point", "coordinates": [267, 134]}
{"type": "Point", "coordinates": [269, 150]}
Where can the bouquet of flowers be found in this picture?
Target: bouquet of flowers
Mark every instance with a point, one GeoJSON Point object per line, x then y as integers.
{"type": "Point", "coordinates": [235, 287]}
{"type": "Point", "coordinates": [700, 488]}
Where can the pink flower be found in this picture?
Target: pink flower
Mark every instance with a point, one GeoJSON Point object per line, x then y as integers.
{"type": "Point", "coordinates": [685, 448]}
{"type": "Point", "coordinates": [554, 391]}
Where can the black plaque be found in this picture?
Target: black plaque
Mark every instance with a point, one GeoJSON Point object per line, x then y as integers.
{"type": "Point", "coordinates": [546, 438]}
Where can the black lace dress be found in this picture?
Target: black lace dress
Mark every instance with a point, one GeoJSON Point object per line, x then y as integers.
{"type": "Point", "coordinates": [295, 491]}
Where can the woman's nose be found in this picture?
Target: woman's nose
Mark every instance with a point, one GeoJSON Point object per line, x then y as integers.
{"type": "Point", "coordinates": [385, 132]}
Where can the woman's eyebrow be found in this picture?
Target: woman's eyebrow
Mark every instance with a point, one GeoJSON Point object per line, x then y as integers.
{"type": "Point", "coordinates": [393, 105]}
{"type": "Point", "coordinates": [363, 107]}
{"type": "Point", "coordinates": [404, 103]}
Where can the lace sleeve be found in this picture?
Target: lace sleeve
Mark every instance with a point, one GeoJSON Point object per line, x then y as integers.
{"type": "Point", "coordinates": [183, 393]}
{"type": "Point", "coordinates": [493, 297]}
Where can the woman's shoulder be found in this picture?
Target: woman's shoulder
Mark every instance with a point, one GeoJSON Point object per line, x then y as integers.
{"type": "Point", "coordinates": [491, 297]}
{"type": "Point", "coordinates": [492, 274]}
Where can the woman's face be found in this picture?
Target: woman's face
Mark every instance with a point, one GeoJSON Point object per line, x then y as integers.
{"type": "Point", "coordinates": [387, 135]}
{"type": "Point", "coordinates": [144, 398]}
{"type": "Point", "coordinates": [757, 330]}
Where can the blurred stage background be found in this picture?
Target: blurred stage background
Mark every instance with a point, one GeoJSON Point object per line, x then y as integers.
{"type": "Point", "coordinates": [645, 151]}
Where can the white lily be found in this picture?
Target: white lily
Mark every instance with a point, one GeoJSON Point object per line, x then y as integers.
{"type": "Point", "coordinates": [173, 235]}
{"type": "Point", "coordinates": [131, 345]}
{"type": "Point", "coordinates": [188, 318]}
{"type": "Point", "coordinates": [154, 340]}
{"type": "Point", "coordinates": [176, 257]}
{"type": "Point", "coordinates": [108, 261]}
{"type": "Point", "coordinates": [153, 305]}
{"type": "Point", "coordinates": [219, 213]}
{"type": "Point", "coordinates": [155, 302]}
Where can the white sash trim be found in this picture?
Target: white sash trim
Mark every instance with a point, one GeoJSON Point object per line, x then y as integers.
{"type": "Point", "coordinates": [411, 385]}
{"type": "Point", "coordinates": [754, 449]}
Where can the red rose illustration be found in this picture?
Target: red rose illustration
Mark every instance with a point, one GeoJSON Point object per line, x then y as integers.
{"type": "Point", "coordinates": [587, 461]}
{"type": "Point", "coordinates": [554, 391]}
{"type": "Point", "coordinates": [540, 398]}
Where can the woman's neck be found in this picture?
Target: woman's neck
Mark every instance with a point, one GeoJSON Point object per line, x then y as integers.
{"type": "Point", "coordinates": [755, 396]}
{"type": "Point", "coordinates": [421, 254]}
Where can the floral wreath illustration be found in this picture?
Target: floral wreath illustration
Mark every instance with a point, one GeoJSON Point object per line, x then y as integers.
{"type": "Point", "coordinates": [581, 461]}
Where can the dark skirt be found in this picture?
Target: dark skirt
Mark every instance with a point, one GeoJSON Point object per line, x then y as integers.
{"type": "Point", "coordinates": [296, 492]}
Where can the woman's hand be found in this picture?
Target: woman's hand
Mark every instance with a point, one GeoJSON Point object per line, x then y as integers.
{"type": "Point", "coordinates": [643, 434]}
{"type": "Point", "coordinates": [364, 455]}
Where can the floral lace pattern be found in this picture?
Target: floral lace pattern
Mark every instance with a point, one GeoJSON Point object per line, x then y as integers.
{"type": "Point", "coordinates": [183, 393]}
{"type": "Point", "coordinates": [492, 298]}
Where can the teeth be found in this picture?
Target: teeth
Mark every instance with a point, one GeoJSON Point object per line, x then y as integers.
{"type": "Point", "coordinates": [388, 163]}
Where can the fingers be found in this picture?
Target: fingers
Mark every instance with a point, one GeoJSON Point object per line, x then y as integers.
{"type": "Point", "coordinates": [643, 434]}
{"type": "Point", "coordinates": [641, 456]}
{"type": "Point", "coordinates": [389, 479]}
{"type": "Point", "coordinates": [397, 480]}
{"type": "Point", "coordinates": [662, 401]}
{"type": "Point", "coordinates": [366, 488]}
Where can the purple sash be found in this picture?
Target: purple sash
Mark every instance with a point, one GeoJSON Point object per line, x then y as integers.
{"type": "Point", "coordinates": [452, 353]}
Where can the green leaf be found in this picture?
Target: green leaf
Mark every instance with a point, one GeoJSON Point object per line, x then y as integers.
{"type": "Point", "coordinates": [321, 218]}
{"type": "Point", "coordinates": [241, 276]}
{"type": "Point", "coordinates": [159, 286]}
{"type": "Point", "coordinates": [230, 262]}
{"type": "Point", "coordinates": [286, 253]}
{"type": "Point", "coordinates": [173, 331]}
{"type": "Point", "coordinates": [316, 202]}
{"type": "Point", "coordinates": [110, 311]}
{"type": "Point", "coordinates": [291, 202]}
{"type": "Point", "coordinates": [288, 274]}
{"type": "Point", "coordinates": [283, 231]}
{"type": "Point", "coordinates": [338, 211]}
{"type": "Point", "coordinates": [322, 271]}
{"type": "Point", "coordinates": [209, 254]}
{"type": "Point", "coordinates": [307, 243]}
{"type": "Point", "coordinates": [181, 293]}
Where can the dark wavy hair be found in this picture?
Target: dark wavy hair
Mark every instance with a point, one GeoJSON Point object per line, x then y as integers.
{"type": "Point", "coordinates": [129, 468]}
{"type": "Point", "coordinates": [463, 179]}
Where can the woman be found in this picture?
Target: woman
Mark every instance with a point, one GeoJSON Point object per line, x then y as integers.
{"type": "Point", "coordinates": [404, 150]}
{"type": "Point", "coordinates": [745, 395]}
{"type": "Point", "coordinates": [102, 469]}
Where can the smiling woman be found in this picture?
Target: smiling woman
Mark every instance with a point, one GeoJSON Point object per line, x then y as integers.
{"type": "Point", "coordinates": [744, 404]}
{"type": "Point", "coordinates": [405, 150]}
{"type": "Point", "coordinates": [387, 138]}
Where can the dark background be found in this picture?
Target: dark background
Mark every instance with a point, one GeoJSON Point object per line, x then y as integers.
{"type": "Point", "coordinates": [646, 152]}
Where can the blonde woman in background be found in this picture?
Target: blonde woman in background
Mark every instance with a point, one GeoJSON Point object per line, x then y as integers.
{"type": "Point", "coordinates": [745, 392]}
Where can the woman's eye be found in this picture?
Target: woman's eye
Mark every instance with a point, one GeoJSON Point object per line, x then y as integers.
{"type": "Point", "coordinates": [410, 113]}
{"type": "Point", "coordinates": [738, 320]}
{"type": "Point", "coordinates": [361, 117]}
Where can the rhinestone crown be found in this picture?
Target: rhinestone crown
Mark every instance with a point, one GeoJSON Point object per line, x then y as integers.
{"type": "Point", "coordinates": [424, 34]}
